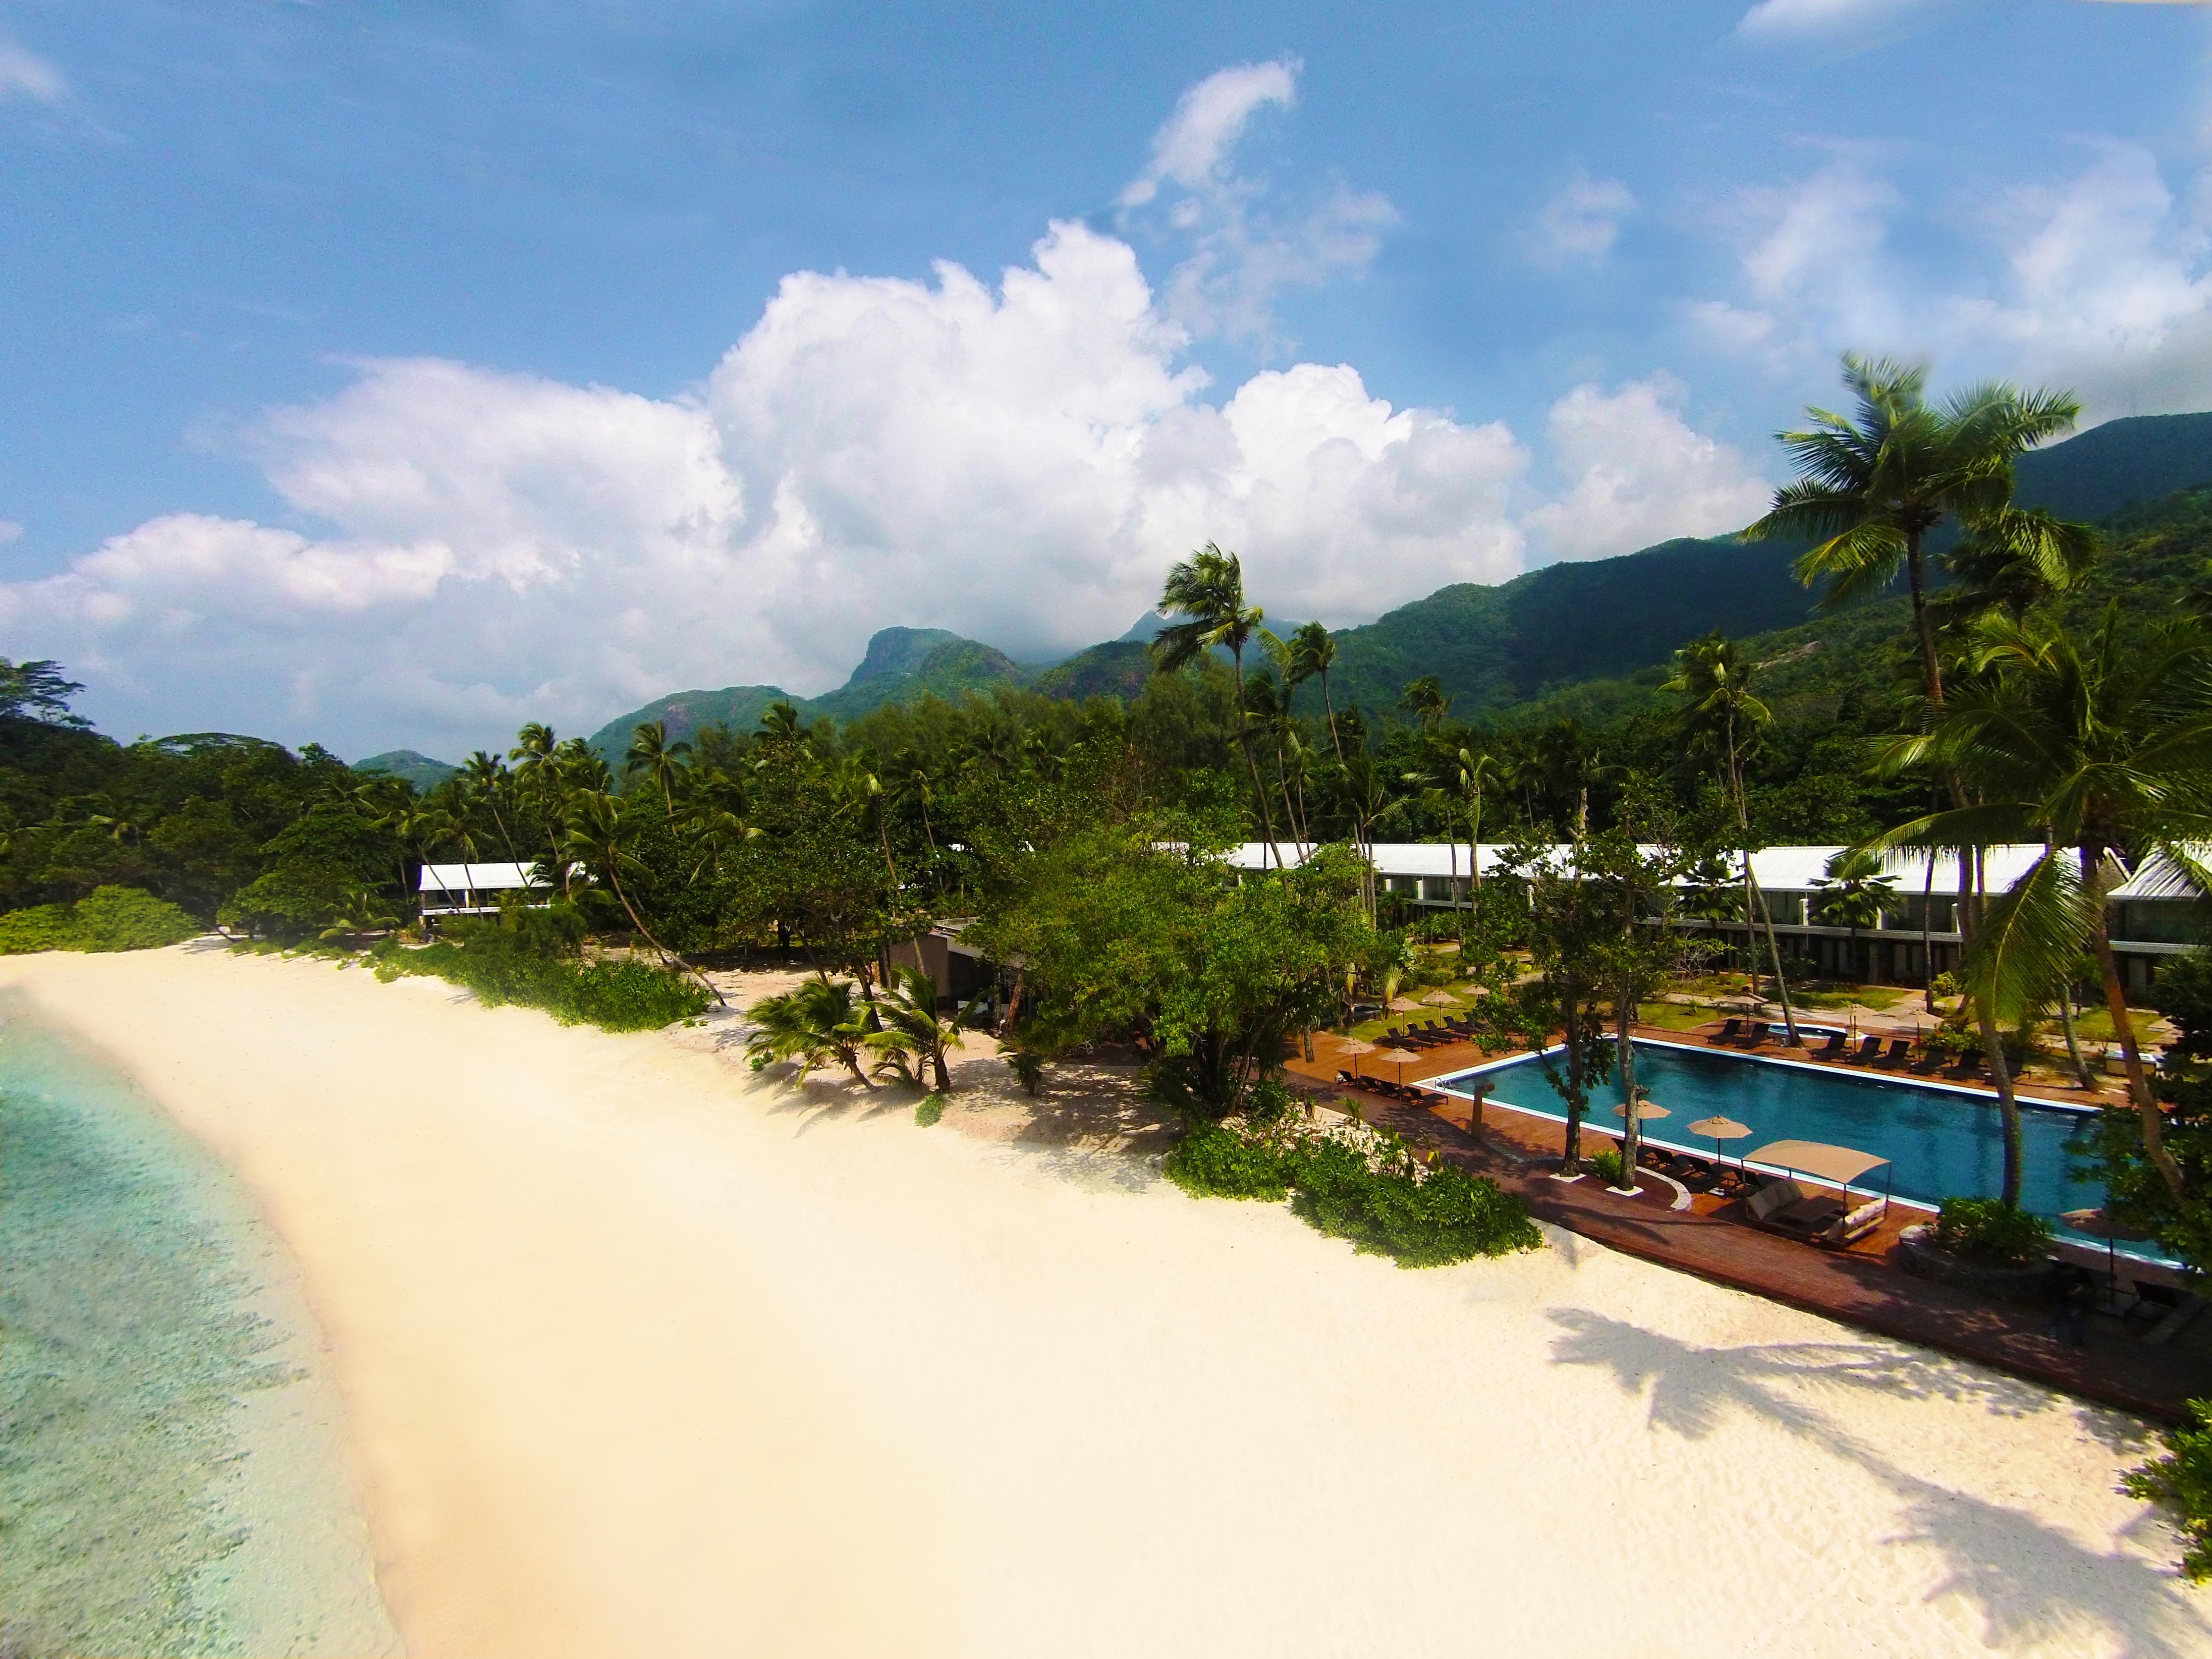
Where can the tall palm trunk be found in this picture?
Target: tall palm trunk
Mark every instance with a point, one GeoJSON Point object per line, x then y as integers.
{"type": "Point", "coordinates": [1329, 703]}
{"type": "Point", "coordinates": [2124, 1024]}
{"type": "Point", "coordinates": [1754, 903]}
{"type": "Point", "coordinates": [1974, 875]}
{"type": "Point", "coordinates": [614, 879]}
{"type": "Point", "coordinates": [1571, 1004]}
{"type": "Point", "coordinates": [1923, 626]}
{"type": "Point", "coordinates": [1632, 1135]}
{"type": "Point", "coordinates": [1244, 742]}
{"type": "Point", "coordinates": [1927, 937]}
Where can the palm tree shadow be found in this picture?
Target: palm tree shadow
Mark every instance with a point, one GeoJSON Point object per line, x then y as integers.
{"type": "Point", "coordinates": [2030, 1583]}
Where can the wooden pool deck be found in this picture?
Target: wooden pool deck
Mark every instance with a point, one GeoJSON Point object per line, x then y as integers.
{"type": "Point", "coordinates": [1862, 1286]}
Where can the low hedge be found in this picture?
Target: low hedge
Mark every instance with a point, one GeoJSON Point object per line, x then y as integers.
{"type": "Point", "coordinates": [105, 919]}
{"type": "Point", "coordinates": [1378, 1197]}
{"type": "Point", "coordinates": [615, 996]}
{"type": "Point", "coordinates": [1989, 1230]}
{"type": "Point", "coordinates": [2182, 1481]}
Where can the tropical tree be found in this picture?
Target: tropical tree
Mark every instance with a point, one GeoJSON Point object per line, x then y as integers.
{"type": "Point", "coordinates": [1424, 699]}
{"type": "Point", "coordinates": [1207, 592]}
{"type": "Point", "coordinates": [1872, 486]}
{"type": "Point", "coordinates": [652, 755]}
{"type": "Point", "coordinates": [1853, 888]}
{"type": "Point", "coordinates": [1312, 653]}
{"type": "Point", "coordinates": [2097, 746]}
{"type": "Point", "coordinates": [600, 836]}
{"type": "Point", "coordinates": [486, 778]}
{"type": "Point", "coordinates": [818, 1022]}
{"type": "Point", "coordinates": [1719, 711]}
{"type": "Point", "coordinates": [914, 1034]}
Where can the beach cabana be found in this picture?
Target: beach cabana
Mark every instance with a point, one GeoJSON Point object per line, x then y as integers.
{"type": "Point", "coordinates": [475, 890]}
{"type": "Point", "coordinates": [1786, 1204]}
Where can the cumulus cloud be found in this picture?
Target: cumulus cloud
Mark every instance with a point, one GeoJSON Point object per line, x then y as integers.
{"type": "Point", "coordinates": [1017, 462]}
{"type": "Point", "coordinates": [1636, 472]}
{"type": "Point", "coordinates": [10, 530]}
{"type": "Point", "coordinates": [1241, 249]}
{"type": "Point", "coordinates": [1581, 223]}
{"type": "Point", "coordinates": [24, 74]}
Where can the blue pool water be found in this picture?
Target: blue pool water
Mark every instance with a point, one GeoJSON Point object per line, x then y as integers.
{"type": "Point", "coordinates": [1941, 1144]}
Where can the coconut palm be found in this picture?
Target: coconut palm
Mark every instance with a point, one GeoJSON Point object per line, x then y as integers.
{"type": "Point", "coordinates": [817, 1022]}
{"type": "Point", "coordinates": [486, 778]}
{"type": "Point", "coordinates": [914, 1033]}
{"type": "Point", "coordinates": [1713, 677]}
{"type": "Point", "coordinates": [651, 754]}
{"type": "Point", "coordinates": [779, 723]}
{"type": "Point", "coordinates": [1425, 700]}
{"type": "Point", "coordinates": [1854, 886]}
{"type": "Point", "coordinates": [1872, 486]}
{"type": "Point", "coordinates": [2096, 747]}
{"type": "Point", "coordinates": [1311, 654]}
{"type": "Point", "coordinates": [599, 837]}
{"type": "Point", "coordinates": [1208, 591]}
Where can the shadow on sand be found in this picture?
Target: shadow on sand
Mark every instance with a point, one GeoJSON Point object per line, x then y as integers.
{"type": "Point", "coordinates": [2032, 1584]}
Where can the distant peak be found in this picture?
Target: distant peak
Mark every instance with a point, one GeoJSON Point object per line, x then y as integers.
{"type": "Point", "coordinates": [900, 651]}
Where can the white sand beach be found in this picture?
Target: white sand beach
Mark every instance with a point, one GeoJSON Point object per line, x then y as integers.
{"type": "Point", "coordinates": [641, 1354]}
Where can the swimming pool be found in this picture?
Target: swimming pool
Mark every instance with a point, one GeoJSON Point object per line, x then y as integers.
{"type": "Point", "coordinates": [1941, 1143]}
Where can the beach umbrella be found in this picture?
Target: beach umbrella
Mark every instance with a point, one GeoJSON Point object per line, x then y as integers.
{"type": "Point", "coordinates": [1396, 1056]}
{"type": "Point", "coordinates": [1404, 1005]}
{"type": "Point", "coordinates": [1441, 999]}
{"type": "Point", "coordinates": [1646, 1110]}
{"type": "Point", "coordinates": [1355, 1047]}
{"type": "Point", "coordinates": [1717, 1129]}
{"type": "Point", "coordinates": [2097, 1224]}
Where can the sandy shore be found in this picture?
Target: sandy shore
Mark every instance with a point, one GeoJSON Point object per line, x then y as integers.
{"type": "Point", "coordinates": [643, 1356]}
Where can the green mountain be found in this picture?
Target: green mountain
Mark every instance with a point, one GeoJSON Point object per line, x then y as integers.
{"type": "Point", "coordinates": [418, 769]}
{"type": "Point", "coordinates": [1584, 635]}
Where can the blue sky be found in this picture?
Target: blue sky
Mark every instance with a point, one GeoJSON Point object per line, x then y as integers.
{"type": "Point", "coordinates": [391, 374]}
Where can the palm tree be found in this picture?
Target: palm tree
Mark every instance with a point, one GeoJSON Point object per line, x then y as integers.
{"type": "Point", "coordinates": [599, 836]}
{"type": "Point", "coordinates": [1871, 488]}
{"type": "Point", "coordinates": [862, 788]}
{"type": "Point", "coordinates": [1312, 654]}
{"type": "Point", "coordinates": [1208, 591]}
{"type": "Point", "coordinates": [815, 1023]}
{"type": "Point", "coordinates": [913, 1032]}
{"type": "Point", "coordinates": [1854, 886]}
{"type": "Point", "coordinates": [1425, 700]}
{"type": "Point", "coordinates": [1713, 679]}
{"type": "Point", "coordinates": [2096, 747]}
{"type": "Point", "coordinates": [1473, 774]}
{"type": "Point", "coordinates": [1363, 799]}
{"type": "Point", "coordinates": [486, 778]}
{"type": "Point", "coordinates": [651, 754]}
{"type": "Point", "coordinates": [779, 723]}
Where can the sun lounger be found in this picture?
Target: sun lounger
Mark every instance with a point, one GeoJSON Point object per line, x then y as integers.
{"type": "Point", "coordinates": [1772, 1197]}
{"type": "Point", "coordinates": [1901, 1049]}
{"type": "Point", "coordinates": [1727, 1033]}
{"type": "Point", "coordinates": [1834, 1046]}
{"type": "Point", "coordinates": [1759, 1031]}
{"type": "Point", "coordinates": [1345, 1080]}
{"type": "Point", "coordinates": [1869, 1051]}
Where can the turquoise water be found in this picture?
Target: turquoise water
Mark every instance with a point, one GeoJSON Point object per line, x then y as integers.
{"type": "Point", "coordinates": [131, 1365]}
{"type": "Point", "coordinates": [1941, 1144]}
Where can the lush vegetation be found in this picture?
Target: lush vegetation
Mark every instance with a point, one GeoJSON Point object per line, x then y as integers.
{"type": "Point", "coordinates": [1989, 1230]}
{"type": "Point", "coordinates": [2182, 1480]}
{"type": "Point", "coordinates": [1360, 1185]}
{"type": "Point", "coordinates": [105, 919]}
{"type": "Point", "coordinates": [530, 958]}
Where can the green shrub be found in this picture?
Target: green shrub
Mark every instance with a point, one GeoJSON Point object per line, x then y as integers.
{"type": "Point", "coordinates": [105, 919]}
{"type": "Point", "coordinates": [2182, 1480]}
{"type": "Point", "coordinates": [1214, 1162]}
{"type": "Point", "coordinates": [1426, 1219]}
{"type": "Point", "coordinates": [1989, 1230]}
{"type": "Point", "coordinates": [1607, 1165]}
{"type": "Point", "coordinates": [615, 996]}
{"type": "Point", "coordinates": [930, 1109]}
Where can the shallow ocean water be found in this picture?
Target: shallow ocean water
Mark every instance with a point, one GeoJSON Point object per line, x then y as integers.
{"type": "Point", "coordinates": [171, 1481]}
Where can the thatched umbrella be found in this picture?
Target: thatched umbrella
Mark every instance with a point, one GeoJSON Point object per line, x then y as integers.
{"type": "Point", "coordinates": [1396, 1056]}
{"type": "Point", "coordinates": [1355, 1047]}
{"type": "Point", "coordinates": [1404, 1005]}
{"type": "Point", "coordinates": [2097, 1224]}
{"type": "Point", "coordinates": [1441, 999]}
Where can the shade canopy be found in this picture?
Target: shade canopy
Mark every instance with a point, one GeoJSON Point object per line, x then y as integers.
{"type": "Point", "coordinates": [1405, 1005]}
{"type": "Point", "coordinates": [1719, 1128]}
{"type": "Point", "coordinates": [1839, 1164]}
{"type": "Point", "coordinates": [2097, 1224]}
{"type": "Point", "coordinates": [1441, 999]}
{"type": "Point", "coordinates": [1396, 1056]}
{"type": "Point", "coordinates": [1355, 1045]}
{"type": "Point", "coordinates": [1645, 1111]}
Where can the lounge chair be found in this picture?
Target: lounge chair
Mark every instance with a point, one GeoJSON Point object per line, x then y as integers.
{"type": "Point", "coordinates": [1345, 1080]}
{"type": "Point", "coordinates": [1727, 1033]}
{"type": "Point", "coordinates": [1900, 1051]}
{"type": "Point", "coordinates": [1869, 1051]}
{"type": "Point", "coordinates": [1759, 1031]}
{"type": "Point", "coordinates": [1695, 1170]}
{"type": "Point", "coordinates": [1834, 1046]}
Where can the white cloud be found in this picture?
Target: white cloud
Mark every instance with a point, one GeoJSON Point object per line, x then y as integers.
{"type": "Point", "coordinates": [1209, 118]}
{"type": "Point", "coordinates": [1581, 223]}
{"type": "Point", "coordinates": [1638, 473]}
{"type": "Point", "coordinates": [2101, 282]}
{"type": "Point", "coordinates": [10, 530]}
{"type": "Point", "coordinates": [1019, 463]}
{"type": "Point", "coordinates": [1243, 252]}
{"type": "Point", "coordinates": [1774, 21]}
{"type": "Point", "coordinates": [24, 74]}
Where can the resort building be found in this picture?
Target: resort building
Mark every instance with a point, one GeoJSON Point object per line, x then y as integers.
{"type": "Point", "coordinates": [476, 889]}
{"type": "Point", "coordinates": [1908, 915]}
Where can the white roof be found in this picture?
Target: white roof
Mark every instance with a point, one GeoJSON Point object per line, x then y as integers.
{"type": "Point", "coordinates": [1777, 869]}
{"type": "Point", "coordinates": [482, 878]}
{"type": "Point", "coordinates": [2159, 877]}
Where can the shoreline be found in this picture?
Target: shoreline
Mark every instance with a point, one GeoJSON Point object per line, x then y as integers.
{"type": "Point", "coordinates": [643, 1353]}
